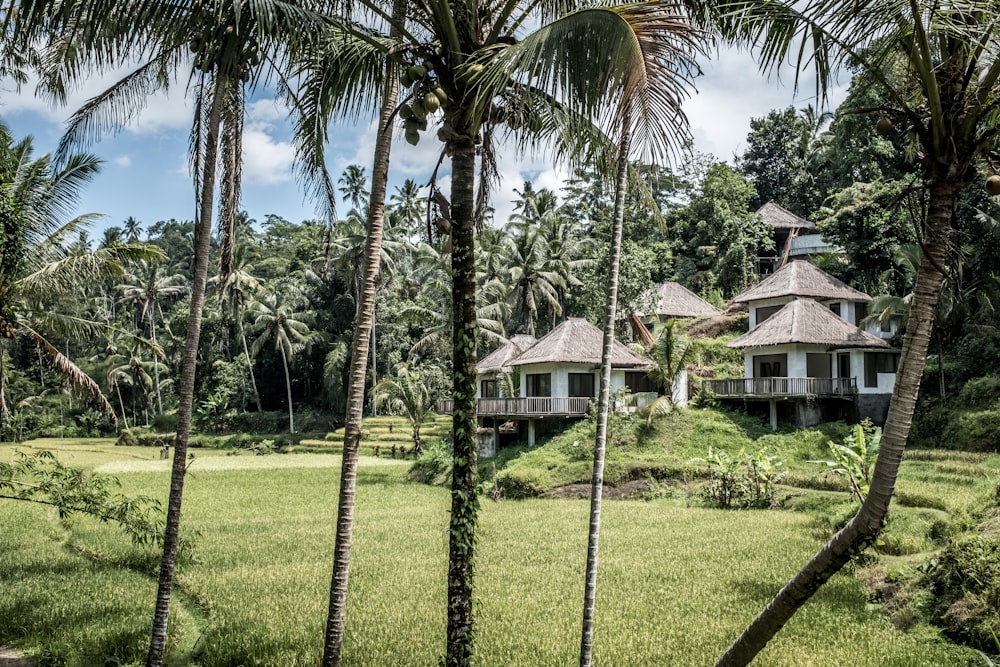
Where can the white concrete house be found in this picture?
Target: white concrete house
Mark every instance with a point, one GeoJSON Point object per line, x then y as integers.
{"type": "Point", "coordinates": [805, 353]}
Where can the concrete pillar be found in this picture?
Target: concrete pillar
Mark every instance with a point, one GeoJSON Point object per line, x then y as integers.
{"type": "Point", "coordinates": [774, 414]}
{"type": "Point", "coordinates": [531, 433]}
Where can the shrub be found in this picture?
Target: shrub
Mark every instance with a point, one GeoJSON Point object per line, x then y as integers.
{"type": "Point", "coordinates": [966, 584]}
{"type": "Point", "coordinates": [746, 480]}
{"type": "Point", "coordinates": [434, 465]}
{"type": "Point", "coordinates": [973, 431]}
{"type": "Point", "coordinates": [980, 393]}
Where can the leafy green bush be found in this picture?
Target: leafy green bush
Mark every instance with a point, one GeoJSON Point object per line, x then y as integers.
{"type": "Point", "coordinates": [973, 431]}
{"type": "Point", "coordinates": [966, 584]}
{"type": "Point", "coordinates": [980, 393]}
{"type": "Point", "coordinates": [745, 480]}
{"type": "Point", "coordinates": [434, 465]}
{"type": "Point", "coordinates": [855, 457]}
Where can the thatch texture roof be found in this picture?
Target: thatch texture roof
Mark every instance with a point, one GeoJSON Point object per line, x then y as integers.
{"type": "Point", "coordinates": [780, 217]}
{"type": "Point", "coordinates": [675, 300]}
{"type": "Point", "coordinates": [801, 278]}
{"type": "Point", "coordinates": [807, 321]}
{"type": "Point", "coordinates": [499, 359]}
{"type": "Point", "coordinates": [577, 341]}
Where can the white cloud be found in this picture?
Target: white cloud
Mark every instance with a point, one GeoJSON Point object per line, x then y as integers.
{"type": "Point", "coordinates": [266, 160]}
{"type": "Point", "coordinates": [122, 161]}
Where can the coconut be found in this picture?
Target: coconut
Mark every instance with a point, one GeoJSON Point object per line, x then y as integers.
{"type": "Point", "coordinates": [405, 111]}
{"type": "Point", "coordinates": [431, 102]}
{"type": "Point", "coordinates": [417, 72]}
{"type": "Point", "coordinates": [411, 125]}
{"type": "Point", "coordinates": [412, 138]}
{"type": "Point", "coordinates": [441, 95]}
{"type": "Point", "coordinates": [883, 126]}
{"type": "Point", "coordinates": [404, 79]}
{"type": "Point", "coordinates": [419, 110]}
{"type": "Point", "coordinates": [993, 185]}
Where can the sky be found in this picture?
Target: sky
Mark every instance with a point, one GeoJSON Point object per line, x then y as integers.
{"type": "Point", "coordinates": [145, 172]}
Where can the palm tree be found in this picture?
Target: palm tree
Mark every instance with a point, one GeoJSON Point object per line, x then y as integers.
{"type": "Point", "coordinates": [281, 318]}
{"type": "Point", "coordinates": [364, 302]}
{"type": "Point", "coordinates": [406, 393]}
{"type": "Point", "coordinates": [530, 274]}
{"type": "Point", "coordinates": [670, 354]}
{"type": "Point", "coordinates": [132, 228]}
{"type": "Point", "coordinates": [36, 265]}
{"type": "Point", "coordinates": [938, 67]}
{"type": "Point", "coordinates": [408, 211]}
{"type": "Point", "coordinates": [353, 184]}
{"type": "Point", "coordinates": [225, 45]}
{"type": "Point", "coordinates": [234, 294]}
{"type": "Point", "coordinates": [145, 286]}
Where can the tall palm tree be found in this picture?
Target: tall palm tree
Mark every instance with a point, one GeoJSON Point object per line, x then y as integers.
{"type": "Point", "coordinates": [531, 276]}
{"type": "Point", "coordinates": [133, 228]}
{"type": "Point", "coordinates": [473, 72]}
{"type": "Point", "coordinates": [353, 186]}
{"type": "Point", "coordinates": [407, 210]}
{"type": "Point", "coordinates": [225, 46]}
{"type": "Point", "coordinates": [36, 264]}
{"type": "Point", "coordinates": [281, 318]}
{"type": "Point", "coordinates": [938, 66]}
{"type": "Point", "coordinates": [145, 286]}
{"type": "Point", "coordinates": [234, 294]}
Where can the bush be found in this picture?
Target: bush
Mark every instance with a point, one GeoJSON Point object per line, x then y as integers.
{"type": "Point", "coordinates": [973, 431]}
{"type": "Point", "coordinates": [745, 480]}
{"type": "Point", "coordinates": [980, 393]}
{"type": "Point", "coordinates": [434, 465]}
{"type": "Point", "coordinates": [965, 581]}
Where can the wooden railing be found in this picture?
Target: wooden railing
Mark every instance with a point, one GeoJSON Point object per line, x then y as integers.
{"type": "Point", "coordinates": [775, 386]}
{"type": "Point", "coordinates": [524, 407]}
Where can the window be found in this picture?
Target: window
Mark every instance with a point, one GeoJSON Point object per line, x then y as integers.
{"type": "Point", "coordinates": [860, 312]}
{"type": "Point", "coordinates": [488, 389]}
{"type": "Point", "coordinates": [539, 384]}
{"type": "Point", "coordinates": [638, 381]}
{"type": "Point", "coordinates": [581, 384]}
{"type": "Point", "coordinates": [766, 312]}
{"type": "Point", "coordinates": [835, 308]}
{"type": "Point", "coordinates": [879, 362]}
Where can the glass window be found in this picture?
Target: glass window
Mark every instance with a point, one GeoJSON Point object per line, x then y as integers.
{"type": "Point", "coordinates": [581, 384]}
{"type": "Point", "coordinates": [488, 389]}
{"type": "Point", "coordinates": [539, 384]}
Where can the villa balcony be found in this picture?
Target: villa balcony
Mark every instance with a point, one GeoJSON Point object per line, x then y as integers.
{"type": "Point", "coordinates": [778, 387]}
{"type": "Point", "coordinates": [538, 407]}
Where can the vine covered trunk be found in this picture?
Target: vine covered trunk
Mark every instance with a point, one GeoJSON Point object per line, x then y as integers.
{"type": "Point", "coordinates": [464, 501]}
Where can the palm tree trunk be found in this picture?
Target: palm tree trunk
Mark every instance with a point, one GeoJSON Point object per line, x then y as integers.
{"type": "Point", "coordinates": [121, 404]}
{"type": "Point", "coordinates": [337, 610]}
{"type": "Point", "coordinates": [864, 528]}
{"type": "Point", "coordinates": [4, 410]}
{"type": "Point", "coordinates": [288, 388]}
{"type": "Point", "coordinates": [156, 372]}
{"type": "Point", "coordinates": [202, 244]}
{"type": "Point", "coordinates": [464, 502]}
{"type": "Point", "coordinates": [603, 407]}
{"type": "Point", "coordinates": [253, 380]}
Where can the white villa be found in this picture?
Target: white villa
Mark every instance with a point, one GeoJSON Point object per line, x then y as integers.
{"type": "Point", "coordinates": [669, 300]}
{"type": "Point", "coordinates": [555, 377]}
{"type": "Point", "coordinates": [804, 352]}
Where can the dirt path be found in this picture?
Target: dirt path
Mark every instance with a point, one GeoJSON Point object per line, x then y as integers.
{"type": "Point", "coordinates": [11, 658]}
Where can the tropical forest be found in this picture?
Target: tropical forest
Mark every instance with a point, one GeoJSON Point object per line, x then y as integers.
{"type": "Point", "coordinates": [680, 409]}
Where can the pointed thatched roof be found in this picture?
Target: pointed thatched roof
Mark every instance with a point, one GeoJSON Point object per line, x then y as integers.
{"type": "Point", "coordinates": [675, 300]}
{"type": "Point", "coordinates": [499, 359]}
{"type": "Point", "coordinates": [807, 321]}
{"type": "Point", "coordinates": [577, 341]}
{"type": "Point", "coordinates": [801, 278]}
{"type": "Point", "coordinates": [780, 217]}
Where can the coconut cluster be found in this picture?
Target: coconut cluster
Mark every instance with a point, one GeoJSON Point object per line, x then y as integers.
{"type": "Point", "coordinates": [211, 46]}
{"type": "Point", "coordinates": [427, 97]}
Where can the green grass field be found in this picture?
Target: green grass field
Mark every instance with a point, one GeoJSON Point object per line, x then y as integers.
{"type": "Point", "coordinates": [676, 584]}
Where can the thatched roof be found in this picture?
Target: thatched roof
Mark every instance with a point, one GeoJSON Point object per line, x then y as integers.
{"type": "Point", "coordinates": [499, 359]}
{"type": "Point", "coordinates": [675, 300]}
{"type": "Point", "coordinates": [577, 341]}
{"type": "Point", "coordinates": [801, 278]}
{"type": "Point", "coordinates": [780, 217]}
{"type": "Point", "coordinates": [807, 321]}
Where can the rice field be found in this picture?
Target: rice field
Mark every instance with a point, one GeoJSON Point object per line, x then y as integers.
{"type": "Point", "coordinates": [675, 586]}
